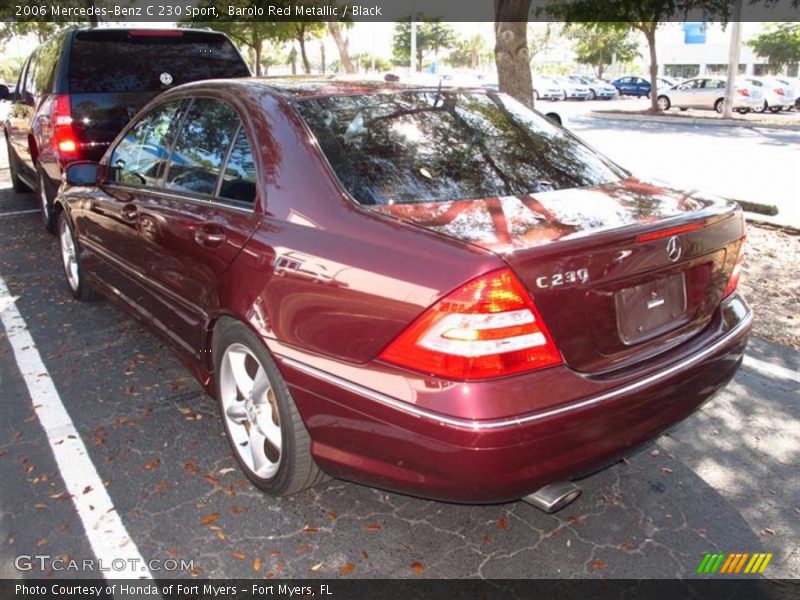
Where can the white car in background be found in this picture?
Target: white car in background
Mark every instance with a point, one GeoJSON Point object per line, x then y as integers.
{"type": "Point", "coordinates": [778, 94]}
{"type": "Point", "coordinates": [546, 88]}
{"type": "Point", "coordinates": [597, 87]}
{"type": "Point", "coordinates": [572, 90]}
{"type": "Point", "coordinates": [709, 93]}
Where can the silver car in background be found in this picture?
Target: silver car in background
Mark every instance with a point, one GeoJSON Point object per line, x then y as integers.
{"type": "Point", "coordinates": [709, 93]}
{"type": "Point", "coordinates": [777, 94]}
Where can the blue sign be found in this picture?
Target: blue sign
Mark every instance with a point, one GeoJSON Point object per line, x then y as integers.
{"type": "Point", "coordinates": [694, 33]}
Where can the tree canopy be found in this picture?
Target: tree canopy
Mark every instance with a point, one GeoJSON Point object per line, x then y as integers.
{"type": "Point", "coordinates": [432, 38]}
{"type": "Point", "coordinates": [779, 44]}
{"type": "Point", "coordinates": [599, 44]}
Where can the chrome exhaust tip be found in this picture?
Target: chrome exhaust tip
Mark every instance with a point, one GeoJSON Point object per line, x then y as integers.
{"type": "Point", "coordinates": [553, 497]}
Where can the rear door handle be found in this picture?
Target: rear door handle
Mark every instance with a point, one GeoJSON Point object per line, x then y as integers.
{"type": "Point", "coordinates": [129, 212]}
{"type": "Point", "coordinates": [209, 235]}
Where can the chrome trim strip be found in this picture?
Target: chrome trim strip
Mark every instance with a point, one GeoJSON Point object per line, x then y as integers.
{"type": "Point", "coordinates": [489, 425]}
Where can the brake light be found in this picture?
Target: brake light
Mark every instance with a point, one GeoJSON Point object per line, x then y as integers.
{"type": "Point", "coordinates": [489, 327]}
{"type": "Point", "coordinates": [657, 235]}
{"type": "Point", "coordinates": [779, 91]}
{"type": "Point", "coordinates": [155, 33]}
{"type": "Point", "coordinates": [744, 91]}
{"type": "Point", "coordinates": [736, 274]}
{"type": "Point", "coordinates": [63, 134]}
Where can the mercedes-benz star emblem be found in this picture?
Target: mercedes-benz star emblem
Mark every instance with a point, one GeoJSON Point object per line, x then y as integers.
{"type": "Point", "coordinates": [674, 249]}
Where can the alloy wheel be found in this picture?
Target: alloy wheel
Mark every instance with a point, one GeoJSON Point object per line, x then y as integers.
{"type": "Point", "coordinates": [69, 256]}
{"type": "Point", "coordinates": [250, 409]}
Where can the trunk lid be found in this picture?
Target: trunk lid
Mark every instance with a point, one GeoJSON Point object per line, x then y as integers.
{"type": "Point", "coordinates": [620, 272]}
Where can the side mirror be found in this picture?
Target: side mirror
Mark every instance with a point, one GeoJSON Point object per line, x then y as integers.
{"type": "Point", "coordinates": [82, 173]}
{"type": "Point", "coordinates": [4, 92]}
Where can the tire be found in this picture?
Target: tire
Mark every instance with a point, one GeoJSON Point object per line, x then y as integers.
{"type": "Point", "coordinates": [45, 202]}
{"type": "Point", "coordinates": [743, 111]}
{"type": "Point", "coordinates": [719, 105]}
{"type": "Point", "coordinates": [563, 95]}
{"type": "Point", "coordinates": [774, 109]}
{"type": "Point", "coordinates": [71, 261]}
{"type": "Point", "coordinates": [684, 108]}
{"type": "Point", "coordinates": [761, 108]}
{"type": "Point", "coordinates": [663, 103]}
{"type": "Point", "coordinates": [17, 184]}
{"type": "Point", "coordinates": [592, 95]}
{"type": "Point", "coordinates": [283, 464]}
{"type": "Point", "coordinates": [535, 96]}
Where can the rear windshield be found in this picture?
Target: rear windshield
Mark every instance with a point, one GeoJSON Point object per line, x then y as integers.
{"type": "Point", "coordinates": [122, 62]}
{"type": "Point", "coordinates": [412, 147]}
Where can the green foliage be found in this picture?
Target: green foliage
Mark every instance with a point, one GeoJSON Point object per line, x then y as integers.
{"type": "Point", "coordinates": [470, 53]}
{"type": "Point", "coordinates": [779, 44]}
{"type": "Point", "coordinates": [432, 37]}
{"type": "Point", "coordinates": [10, 68]}
{"type": "Point", "coordinates": [599, 44]}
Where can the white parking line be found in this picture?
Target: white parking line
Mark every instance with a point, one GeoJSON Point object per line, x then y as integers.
{"type": "Point", "coordinates": [104, 529]}
{"type": "Point", "coordinates": [19, 212]}
{"type": "Point", "coordinates": [770, 370]}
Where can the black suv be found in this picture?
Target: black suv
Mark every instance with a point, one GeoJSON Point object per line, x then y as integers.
{"type": "Point", "coordinates": [77, 91]}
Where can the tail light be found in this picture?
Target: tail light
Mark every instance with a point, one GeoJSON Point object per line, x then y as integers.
{"type": "Point", "coordinates": [743, 91]}
{"type": "Point", "coordinates": [736, 274]}
{"type": "Point", "coordinates": [779, 91]}
{"type": "Point", "coordinates": [63, 134]}
{"type": "Point", "coordinates": [487, 328]}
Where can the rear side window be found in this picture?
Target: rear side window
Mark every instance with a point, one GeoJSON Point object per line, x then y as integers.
{"type": "Point", "coordinates": [125, 62]}
{"type": "Point", "coordinates": [239, 178]}
{"type": "Point", "coordinates": [141, 156]}
{"type": "Point", "coordinates": [436, 146]}
{"type": "Point", "coordinates": [201, 147]}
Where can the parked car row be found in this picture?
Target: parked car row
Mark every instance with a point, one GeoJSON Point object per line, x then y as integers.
{"type": "Point", "coordinates": [752, 94]}
{"type": "Point", "coordinates": [425, 289]}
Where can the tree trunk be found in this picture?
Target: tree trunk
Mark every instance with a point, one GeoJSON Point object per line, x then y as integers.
{"type": "Point", "coordinates": [511, 49]}
{"type": "Point", "coordinates": [602, 62]}
{"type": "Point", "coordinates": [293, 57]}
{"type": "Point", "coordinates": [92, 17]}
{"type": "Point", "coordinates": [650, 34]}
{"type": "Point", "coordinates": [301, 38]}
{"type": "Point", "coordinates": [257, 52]}
{"type": "Point", "coordinates": [322, 56]}
{"type": "Point", "coordinates": [344, 53]}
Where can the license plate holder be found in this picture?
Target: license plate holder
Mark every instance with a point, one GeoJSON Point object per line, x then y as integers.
{"type": "Point", "coordinates": [650, 309]}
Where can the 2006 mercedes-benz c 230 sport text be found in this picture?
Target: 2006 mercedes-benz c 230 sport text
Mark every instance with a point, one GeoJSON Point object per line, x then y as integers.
{"type": "Point", "coordinates": [433, 291]}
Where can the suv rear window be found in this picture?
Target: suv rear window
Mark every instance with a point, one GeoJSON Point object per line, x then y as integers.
{"type": "Point", "coordinates": [122, 61]}
{"type": "Point", "coordinates": [411, 147]}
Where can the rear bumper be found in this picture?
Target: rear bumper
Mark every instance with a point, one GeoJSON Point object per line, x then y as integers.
{"type": "Point", "coordinates": [373, 438]}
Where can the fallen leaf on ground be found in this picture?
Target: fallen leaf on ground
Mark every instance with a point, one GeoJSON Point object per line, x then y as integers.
{"type": "Point", "coordinates": [347, 569]}
{"type": "Point", "coordinates": [152, 464]}
{"type": "Point", "coordinates": [373, 527]}
{"type": "Point", "coordinates": [502, 523]}
{"type": "Point", "coordinates": [418, 567]}
{"type": "Point", "coordinates": [257, 565]}
{"type": "Point", "coordinates": [239, 555]}
{"type": "Point", "coordinates": [598, 564]}
{"type": "Point", "coordinates": [208, 519]}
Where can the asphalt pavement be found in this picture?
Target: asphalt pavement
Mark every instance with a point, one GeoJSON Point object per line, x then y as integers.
{"type": "Point", "coordinates": [756, 164]}
{"type": "Point", "coordinates": [726, 480]}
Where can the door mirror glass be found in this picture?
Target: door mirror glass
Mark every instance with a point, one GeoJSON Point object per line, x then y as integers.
{"type": "Point", "coordinates": [81, 173]}
{"type": "Point", "coordinates": [4, 91]}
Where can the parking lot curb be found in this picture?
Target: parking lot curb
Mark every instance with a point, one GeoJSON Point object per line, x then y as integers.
{"type": "Point", "coordinates": [691, 121]}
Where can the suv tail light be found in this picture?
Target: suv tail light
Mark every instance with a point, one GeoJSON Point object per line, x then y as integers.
{"type": "Point", "coordinates": [489, 327]}
{"type": "Point", "coordinates": [736, 274]}
{"type": "Point", "coordinates": [63, 134]}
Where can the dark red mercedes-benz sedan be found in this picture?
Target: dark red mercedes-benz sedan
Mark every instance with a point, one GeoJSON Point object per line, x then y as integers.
{"type": "Point", "coordinates": [432, 291]}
